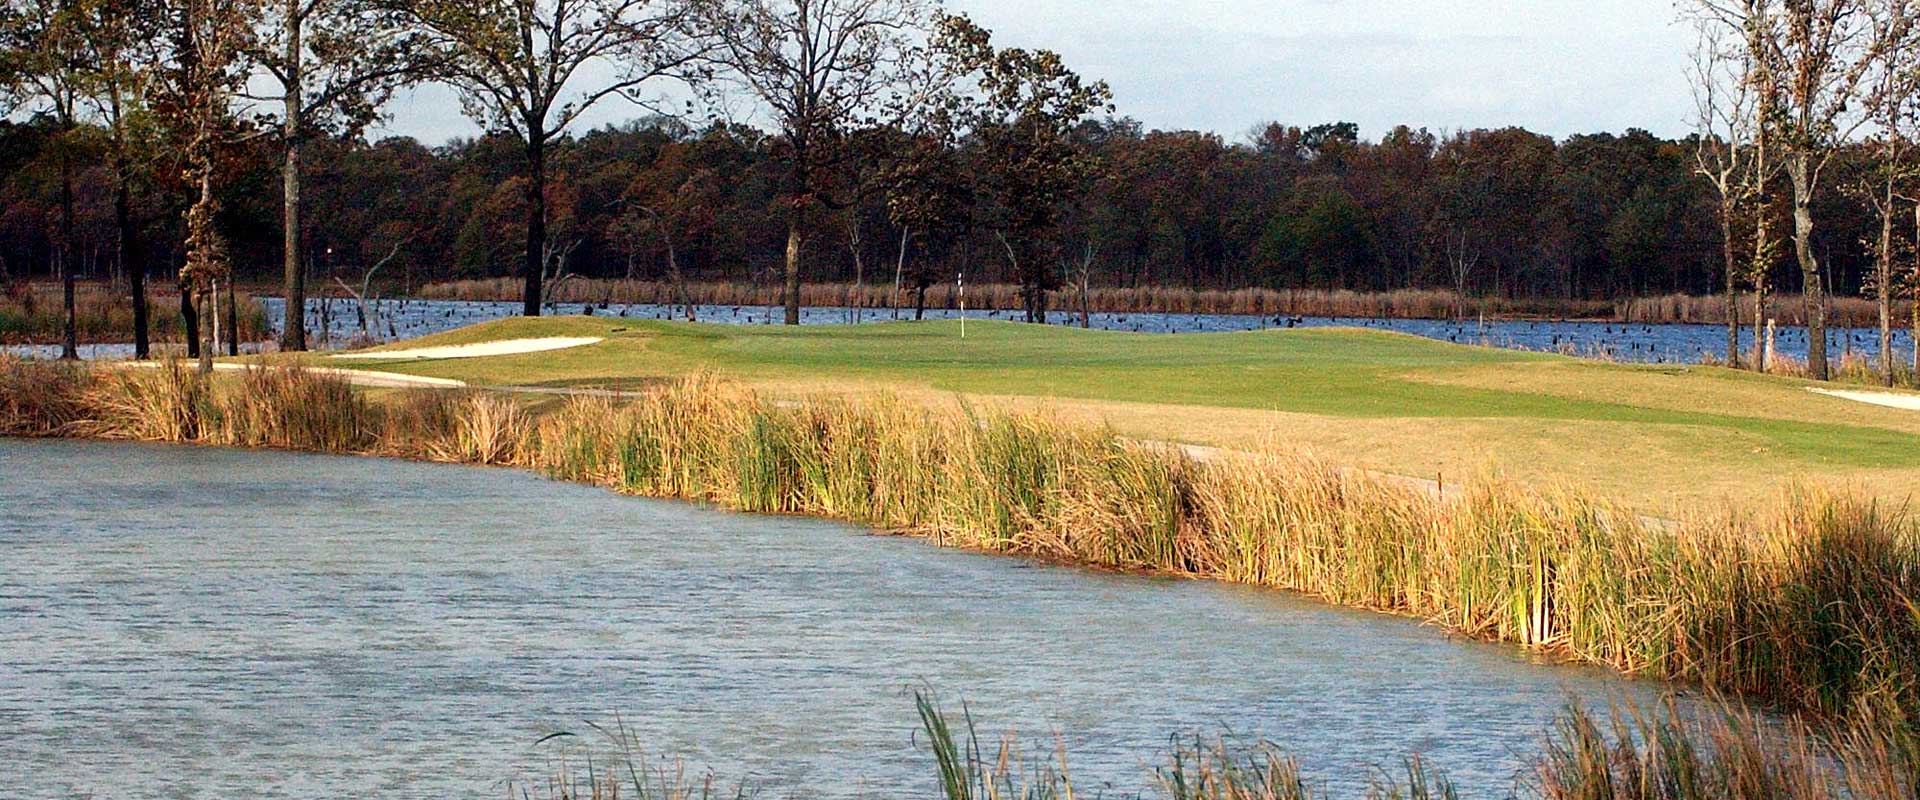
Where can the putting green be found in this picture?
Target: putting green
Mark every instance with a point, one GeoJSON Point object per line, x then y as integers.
{"type": "Point", "coordinates": [1662, 438]}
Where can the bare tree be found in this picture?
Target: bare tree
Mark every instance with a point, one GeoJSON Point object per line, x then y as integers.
{"type": "Point", "coordinates": [1725, 154]}
{"type": "Point", "coordinates": [331, 63]}
{"type": "Point", "coordinates": [533, 67]}
{"type": "Point", "coordinates": [820, 69]}
{"type": "Point", "coordinates": [365, 296]}
{"type": "Point", "coordinates": [1892, 89]}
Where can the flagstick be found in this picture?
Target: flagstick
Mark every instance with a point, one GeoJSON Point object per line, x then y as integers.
{"type": "Point", "coordinates": [961, 279]}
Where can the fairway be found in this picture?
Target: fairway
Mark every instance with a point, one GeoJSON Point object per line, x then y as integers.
{"type": "Point", "coordinates": [1663, 438]}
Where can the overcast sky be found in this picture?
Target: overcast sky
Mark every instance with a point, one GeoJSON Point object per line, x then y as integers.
{"type": "Point", "coordinates": [1554, 66]}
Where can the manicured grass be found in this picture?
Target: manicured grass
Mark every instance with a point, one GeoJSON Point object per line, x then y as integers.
{"type": "Point", "coordinates": [1658, 437]}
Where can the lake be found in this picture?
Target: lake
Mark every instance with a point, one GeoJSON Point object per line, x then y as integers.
{"type": "Point", "coordinates": [189, 622]}
{"type": "Point", "coordinates": [1640, 343]}
{"type": "Point", "coordinates": [1676, 343]}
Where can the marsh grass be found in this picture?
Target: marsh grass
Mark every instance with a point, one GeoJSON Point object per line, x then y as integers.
{"type": "Point", "coordinates": [1715, 751]}
{"type": "Point", "coordinates": [36, 314]}
{"type": "Point", "coordinates": [1396, 304]}
{"type": "Point", "coordinates": [42, 398]}
{"type": "Point", "coordinates": [1789, 309]}
{"type": "Point", "coordinates": [1811, 603]}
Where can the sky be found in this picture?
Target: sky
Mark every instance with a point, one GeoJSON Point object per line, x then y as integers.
{"type": "Point", "coordinates": [1554, 66]}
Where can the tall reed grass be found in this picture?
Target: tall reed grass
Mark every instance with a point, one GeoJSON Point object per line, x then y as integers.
{"type": "Point", "coordinates": [1724, 752]}
{"type": "Point", "coordinates": [1400, 303]}
{"type": "Point", "coordinates": [1812, 602]}
{"type": "Point", "coordinates": [36, 314]}
{"type": "Point", "coordinates": [1789, 309]}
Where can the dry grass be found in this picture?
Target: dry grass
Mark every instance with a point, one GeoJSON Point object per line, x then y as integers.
{"type": "Point", "coordinates": [35, 314]}
{"type": "Point", "coordinates": [1403, 303]}
{"type": "Point", "coordinates": [1787, 310]}
{"type": "Point", "coordinates": [1720, 752]}
{"type": "Point", "coordinates": [1790, 309]}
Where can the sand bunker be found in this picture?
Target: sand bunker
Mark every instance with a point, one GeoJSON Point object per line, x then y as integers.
{"type": "Point", "coordinates": [357, 377]}
{"type": "Point", "coordinates": [505, 347]}
{"type": "Point", "coordinates": [1907, 402]}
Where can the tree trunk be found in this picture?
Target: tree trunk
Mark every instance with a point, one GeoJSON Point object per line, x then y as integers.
{"type": "Point", "coordinates": [233, 319]}
{"type": "Point", "coordinates": [130, 261]}
{"type": "Point", "coordinates": [899, 269]}
{"type": "Point", "coordinates": [1883, 275]}
{"type": "Point", "coordinates": [1733, 297]}
{"type": "Point", "coordinates": [69, 252]}
{"type": "Point", "coordinates": [1761, 267]}
{"type": "Point", "coordinates": [795, 240]}
{"type": "Point", "coordinates": [679, 280]}
{"type": "Point", "coordinates": [189, 321]}
{"type": "Point", "coordinates": [857, 296]}
{"type": "Point", "coordinates": [293, 335]}
{"type": "Point", "coordinates": [534, 269]}
{"type": "Point", "coordinates": [212, 318]}
{"type": "Point", "coordinates": [920, 304]}
{"type": "Point", "coordinates": [1811, 291]}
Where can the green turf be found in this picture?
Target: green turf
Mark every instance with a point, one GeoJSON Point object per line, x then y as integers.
{"type": "Point", "coordinates": [1369, 392]}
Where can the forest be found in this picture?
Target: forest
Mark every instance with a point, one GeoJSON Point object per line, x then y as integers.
{"type": "Point", "coordinates": [1501, 212]}
{"type": "Point", "coordinates": [890, 142]}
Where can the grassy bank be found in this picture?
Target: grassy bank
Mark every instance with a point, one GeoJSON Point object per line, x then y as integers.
{"type": "Point", "coordinates": [1811, 601]}
{"type": "Point", "coordinates": [1665, 439]}
{"type": "Point", "coordinates": [36, 314]}
{"type": "Point", "coordinates": [1627, 754]}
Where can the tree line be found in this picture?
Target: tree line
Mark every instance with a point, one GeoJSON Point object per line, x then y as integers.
{"type": "Point", "coordinates": [888, 141]}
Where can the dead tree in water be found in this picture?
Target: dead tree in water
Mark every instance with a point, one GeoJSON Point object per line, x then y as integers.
{"type": "Point", "coordinates": [367, 300]}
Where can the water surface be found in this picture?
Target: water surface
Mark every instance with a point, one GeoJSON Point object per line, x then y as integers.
{"type": "Point", "coordinates": [186, 622]}
{"type": "Point", "coordinates": [1676, 343]}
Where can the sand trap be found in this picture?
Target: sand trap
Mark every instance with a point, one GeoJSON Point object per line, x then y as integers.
{"type": "Point", "coordinates": [505, 347]}
{"type": "Point", "coordinates": [1908, 402]}
{"type": "Point", "coordinates": [357, 377]}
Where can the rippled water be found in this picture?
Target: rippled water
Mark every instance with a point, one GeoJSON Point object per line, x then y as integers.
{"type": "Point", "coordinates": [1668, 344]}
{"type": "Point", "coordinates": [1642, 343]}
{"type": "Point", "coordinates": [182, 622]}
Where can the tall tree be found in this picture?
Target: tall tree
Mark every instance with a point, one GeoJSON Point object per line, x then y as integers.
{"type": "Point", "coordinates": [820, 69]}
{"type": "Point", "coordinates": [43, 45]}
{"type": "Point", "coordinates": [202, 78]}
{"type": "Point", "coordinates": [331, 64]}
{"type": "Point", "coordinates": [672, 203]}
{"type": "Point", "coordinates": [1023, 116]}
{"type": "Point", "coordinates": [1817, 55]}
{"type": "Point", "coordinates": [1725, 92]}
{"type": "Point", "coordinates": [929, 198]}
{"type": "Point", "coordinates": [119, 35]}
{"type": "Point", "coordinates": [1892, 88]}
{"type": "Point", "coordinates": [531, 68]}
